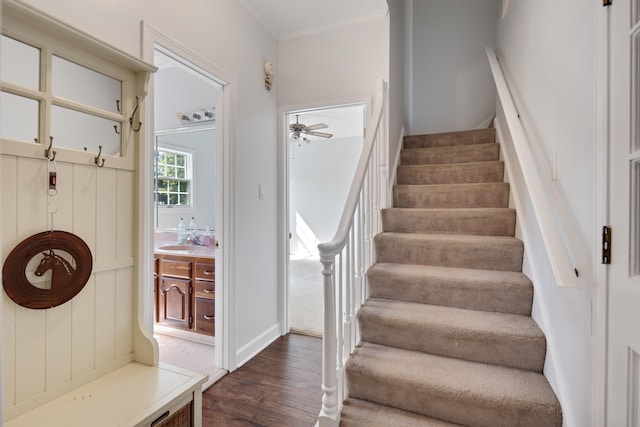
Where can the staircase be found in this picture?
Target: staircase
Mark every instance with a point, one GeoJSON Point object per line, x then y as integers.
{"type": "Point", "coordinates": [447, 336]}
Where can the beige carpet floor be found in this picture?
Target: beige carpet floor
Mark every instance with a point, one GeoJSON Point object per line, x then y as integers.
{"type": "Point", "coordinates": [305, 296]}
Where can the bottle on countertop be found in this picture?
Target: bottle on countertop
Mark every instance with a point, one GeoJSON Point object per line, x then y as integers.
{"type": "Point", "coordinates": [208, 237]}
{"type": "Point", "coordinates": [182, 235]}
{"type": "Point", "coordinates": [192, 225]}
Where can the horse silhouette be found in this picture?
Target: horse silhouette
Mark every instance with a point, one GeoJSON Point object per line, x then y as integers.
{"type": "Point", "coordinates": [61, 270]}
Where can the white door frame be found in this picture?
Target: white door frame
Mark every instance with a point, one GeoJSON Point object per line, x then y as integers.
{"type": "Point", "coordinates": [225, 191]}
{"type": "Point", "coordinates": [283, 195]}
{"type": "Point", "coordinates": [599, 307]}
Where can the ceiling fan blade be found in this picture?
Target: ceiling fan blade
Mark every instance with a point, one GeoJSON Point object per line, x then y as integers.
{"type": "Point", "coordinates": [318, 126]}
{"type": "Point", "coordinates": [320, 134]}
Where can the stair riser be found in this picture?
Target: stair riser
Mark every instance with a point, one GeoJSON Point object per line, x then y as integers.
{"type": "Point", "coordinates": [500, 222]}
{"type": "Point", "coordinates": [425, 289]}
{"type": "Point", "coordinates": [520, 352]}
{"type": "Point", "coordinates": [463, 154]}
{"type": "Point", "coordinates": [479, 136]}
{"type": "Point", "coordinates": [491, 195]}
{"type": "Point", "coordinates": [505, 256]}
{"type": "Point", "coordinates": [451, 174]}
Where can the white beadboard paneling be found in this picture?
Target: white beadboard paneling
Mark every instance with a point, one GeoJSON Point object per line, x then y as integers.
{"type": "Point", "coordinates": [31, 202]}
{"type": "Point", "coordinates": [62, 202]}
{"type": "Point", "coordinates": [30, 353]}
{"type": "Point", "coordinates": [9, 202]}
{"type": "Point", "coordinates": [58, 345]}
{"type": "Point", "coordinates": [84, 204]}
{"type": "Point", "coordinates": [8, 351]}
{"type": "Point", "coordinates": [83, 330]}
{"type": "Point", "coordinates": [106, 205]}
{"type": "Point", "coordinates": [125, 217]}
{"type": "Point", "coordinates": [124, 311]}
{"type": "Point", "coordinates": [105, 307]}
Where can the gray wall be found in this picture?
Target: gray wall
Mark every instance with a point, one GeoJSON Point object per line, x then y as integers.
{"type": "Point", "coordinates": [397, 69]}
{"type": "Point", "coordinates": [451, 83]}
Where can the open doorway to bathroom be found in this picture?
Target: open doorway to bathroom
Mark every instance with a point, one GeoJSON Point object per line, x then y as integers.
{"type": "Point", "coordinates": [185, 147]}
{"type": "Point", "coordinates": [321, 168]}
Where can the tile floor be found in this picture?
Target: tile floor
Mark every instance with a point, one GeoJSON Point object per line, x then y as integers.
{"type": "Point", "coordinates": [189, 355]}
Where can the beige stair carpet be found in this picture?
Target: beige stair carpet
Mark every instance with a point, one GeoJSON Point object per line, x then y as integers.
{"type": "Point", "coordinates": [447, 337]}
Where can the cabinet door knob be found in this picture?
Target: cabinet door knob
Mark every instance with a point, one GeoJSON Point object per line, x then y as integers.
{"type": "Point", "coordinates": [209, 273]}
{"type": "Point", "coordinates": [208, 317]}
{"type": "Point", "coordinates": [209, 291]}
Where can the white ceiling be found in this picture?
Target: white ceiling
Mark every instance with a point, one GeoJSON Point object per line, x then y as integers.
{"type": "Point", "coordinates": [287, 19]}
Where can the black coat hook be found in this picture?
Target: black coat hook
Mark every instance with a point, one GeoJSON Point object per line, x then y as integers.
{"type": "Point", "coordinates": [49, 153]}
{"type": "Point", "coordinates": [96, 159]}
{"type": "Point", "coordinates": [133, 128]}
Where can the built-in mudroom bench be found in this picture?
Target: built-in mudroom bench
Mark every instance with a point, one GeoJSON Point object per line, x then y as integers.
{"type": "Point", "coordinates": [77, 312]}
{"type": "Point", "coordinates": [133, 395]}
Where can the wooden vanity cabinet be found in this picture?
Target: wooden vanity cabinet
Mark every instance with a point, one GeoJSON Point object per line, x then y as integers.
{"type": "Point", "coordinates": [205, 298]}
{"type": "Point", "coordinates": [185, 296]}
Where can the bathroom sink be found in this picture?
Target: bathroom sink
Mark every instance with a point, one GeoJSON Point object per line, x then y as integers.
{"type": "Point", "coordinates": [177, 248]}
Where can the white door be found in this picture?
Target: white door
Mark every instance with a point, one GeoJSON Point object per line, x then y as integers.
{"type": "Point", "coordinates": [624, 274]}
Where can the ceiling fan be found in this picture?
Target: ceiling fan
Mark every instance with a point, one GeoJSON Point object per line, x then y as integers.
{"type": "Point", "coordinates": [299, 130]}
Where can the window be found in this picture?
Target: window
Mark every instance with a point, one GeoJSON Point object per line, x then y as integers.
{"type": "Point", "coordinates": [173, 178]}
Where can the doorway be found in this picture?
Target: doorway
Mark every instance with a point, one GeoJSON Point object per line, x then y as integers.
{"type": "Point", "coordinates": [186, 111]}
{"type": "Point", "coordinates": [324, 146]}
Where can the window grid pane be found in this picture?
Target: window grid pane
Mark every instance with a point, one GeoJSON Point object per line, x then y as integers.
{"type": "Point", "coordinates": [172, 183]}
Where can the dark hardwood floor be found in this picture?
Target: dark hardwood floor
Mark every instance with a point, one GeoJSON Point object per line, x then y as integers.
{"type": "Point", "coordinates": [279, 387]}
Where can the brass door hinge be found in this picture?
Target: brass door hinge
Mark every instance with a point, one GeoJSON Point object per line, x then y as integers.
{"type": "Point", "coordinates": [606, 245]}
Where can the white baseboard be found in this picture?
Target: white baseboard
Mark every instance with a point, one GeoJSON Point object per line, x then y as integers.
{"type": "Point", "coordinates": [393, 171]}
{"type": "Point", "coordinates": [487, 123]}
{"type": "Point", "coordinates": [247, 352]}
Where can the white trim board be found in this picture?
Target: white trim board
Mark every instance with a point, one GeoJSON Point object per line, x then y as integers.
{"type": "Point", "coordinates": [251, 349]}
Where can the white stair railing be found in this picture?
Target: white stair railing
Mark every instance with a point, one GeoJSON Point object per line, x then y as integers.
{"type": "Point", "coordinates": [346, 258]}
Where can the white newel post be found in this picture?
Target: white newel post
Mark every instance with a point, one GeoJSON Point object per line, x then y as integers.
{"type": "Point", "coordinates": [329, 411]}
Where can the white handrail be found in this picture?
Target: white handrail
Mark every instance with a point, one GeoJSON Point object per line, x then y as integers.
{"type": "Point", "coordinates": [345, 259]}
{"type": "Point", "coordinates": [558, 233]}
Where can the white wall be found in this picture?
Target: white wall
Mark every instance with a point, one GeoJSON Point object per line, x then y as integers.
{"type": "Point", "coordinates": [547, 51]}
{"type": "Point", "coordinates": [242, 47]}
{"type": "Point", "coordinates": [451, 84]}
{"type": "Point", "coordinates": [343, 63]}
{"type": "Point", "coordinates": [317, 198]}
{"type": "Point", "coordinates": [178, 91]}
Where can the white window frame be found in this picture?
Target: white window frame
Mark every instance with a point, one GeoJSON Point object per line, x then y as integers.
{"type": "Point", "coordinates": [78, 48]}
{"type": "Point", "coordinates": [189, 173]}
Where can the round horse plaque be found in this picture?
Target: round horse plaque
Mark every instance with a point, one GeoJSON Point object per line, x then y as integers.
{"type": "Point", "coordinates": [47, 269]}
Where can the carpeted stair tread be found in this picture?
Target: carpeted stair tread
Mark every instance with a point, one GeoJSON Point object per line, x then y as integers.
{"type": "Point", "coordinates": [458, 154]}
{"type": "Point", "coordinates": [360, 413]}
{"type": "Point", "coordinates": [478, 195]}
{"type": "Point", "coordinates": [480, 221]}
{"type": "Point", "coordinates": [458, 391]}
{"type": "Point", "coordinates": [496, 338]}
{"type": "Point", "coordinates": [446, 139]}
{"type": "Point", "coordinates": [455, 173]}
{"type": "Point", "coordinates": [450, 250]}
{"type": "Point", "coordinates": [474, 289]}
